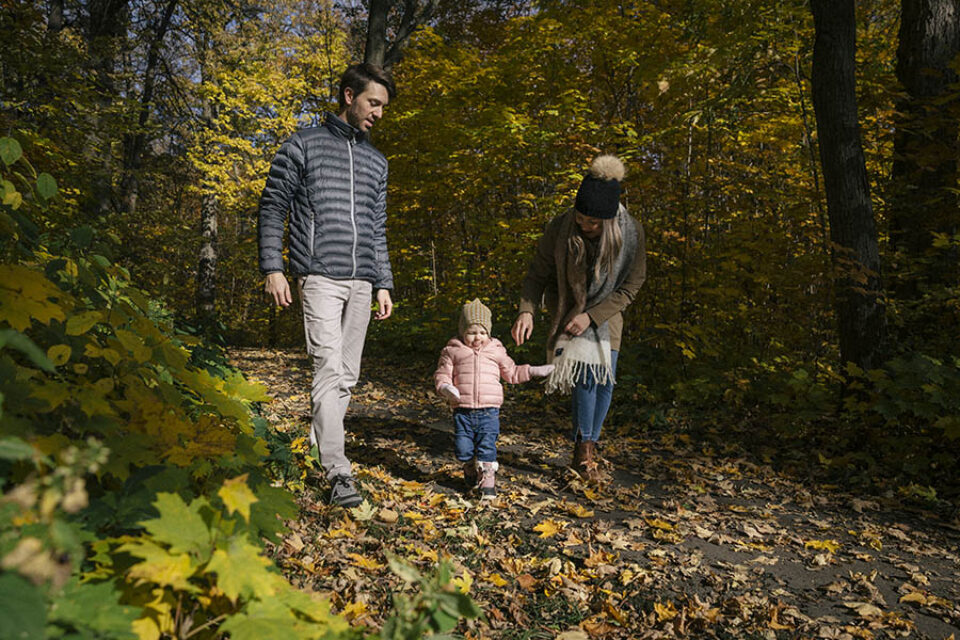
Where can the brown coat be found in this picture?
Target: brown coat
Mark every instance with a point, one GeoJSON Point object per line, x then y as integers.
{"type": "Point", "coordinates": [549, 260]}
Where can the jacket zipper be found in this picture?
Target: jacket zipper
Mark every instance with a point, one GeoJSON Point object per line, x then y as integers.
{"type": "Point", "coordinates": [353, 219]}
{"type": "Point", "coordinates": [476, 378]}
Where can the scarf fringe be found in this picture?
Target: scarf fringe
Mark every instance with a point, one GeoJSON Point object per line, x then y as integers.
{"type": "Point", "coordinates": [568, 372]}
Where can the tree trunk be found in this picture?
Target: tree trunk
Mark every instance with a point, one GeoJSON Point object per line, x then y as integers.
{"type": "Point", "coordinates": [207, 267]}
{"type": "Point", "coordinates": [55, 16]}
{"type": "Point", "coordinates": [106, 25]}
{"type": "Point", "coordinates": [135, 142]}
{"type": "Point", "coordinates": [376, 49]}
{"type": "Point", "coordinates": [379, 50]}
{"type": "Point", "coordinates": [860, 312]}
{"type": "Point", "coordinates": [925, 167]}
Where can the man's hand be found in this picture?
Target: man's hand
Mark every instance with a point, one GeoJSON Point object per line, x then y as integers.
{"type": "Point", "coordinates": [522, 328]}
{"type": "Point", "coordinates": [578, 325]}
{"type": "Point", "coordinates": [278, 289]}
{"type": "Point", "coordinates": [384, 304]}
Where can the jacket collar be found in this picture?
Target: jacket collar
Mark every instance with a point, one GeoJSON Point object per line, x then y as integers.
{"type": "Point", "coordinates": [342, 129]}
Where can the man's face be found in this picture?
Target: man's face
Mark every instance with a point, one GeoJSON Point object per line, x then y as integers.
{"type": "Point", "coordinates": [365, 108]}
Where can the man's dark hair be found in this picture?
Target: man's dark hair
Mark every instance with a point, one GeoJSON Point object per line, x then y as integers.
{"type": "Point", "coordinates": [358, 76]}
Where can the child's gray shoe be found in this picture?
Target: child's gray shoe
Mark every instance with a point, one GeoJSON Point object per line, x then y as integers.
{"type": "Point", "coordinates": [343, 491]}
{"type": "Point", "coordinates": [488, 476]}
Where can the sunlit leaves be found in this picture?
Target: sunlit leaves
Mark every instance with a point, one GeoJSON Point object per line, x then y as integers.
{"type": "Point", "coordinates": [237, 496]}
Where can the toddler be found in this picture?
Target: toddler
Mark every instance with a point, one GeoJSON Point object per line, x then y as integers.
{"type": "Point", "coordinates": [468, 376]}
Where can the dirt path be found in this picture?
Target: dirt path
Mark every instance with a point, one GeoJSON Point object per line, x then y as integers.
{"type": "Point", "coordinates": [687, 540]}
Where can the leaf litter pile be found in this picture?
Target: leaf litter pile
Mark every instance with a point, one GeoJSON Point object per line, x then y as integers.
{"type": "Point", "coordinates": [684, 539]}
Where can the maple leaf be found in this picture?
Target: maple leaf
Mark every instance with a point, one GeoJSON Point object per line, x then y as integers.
{"type": "Point", "coordinates": [242, 571]}
{"type": "Point", "coordinates": [159, 566]}
{"type": "Point", "coordinates": [549, 528]}
{"type": "Point", "coordinates": [237, 496]}
{"type": "Point", "coordinates": [180, 526]}
{"type": "Point", "coordinates": [364, 511]}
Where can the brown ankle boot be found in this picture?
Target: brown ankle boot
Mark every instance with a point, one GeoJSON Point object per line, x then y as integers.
{"type": "Point", "coordinates": [580, 457]}
{"type": "Point", "coordinates": [591, 462]}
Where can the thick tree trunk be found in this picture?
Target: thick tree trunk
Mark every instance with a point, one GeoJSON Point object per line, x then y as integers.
{"type": "Point", "coordinates": [860, 313]}
{"type": "Point", "coordinates": [379, 50]}
{"type": "Point", "coordinates": [926, 149]}
{"type": "Point", "coordinates": [376, 49]}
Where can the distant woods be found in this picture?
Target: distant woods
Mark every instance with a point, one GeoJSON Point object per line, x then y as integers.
{"type": "Point", "coordinates": [795, 166]}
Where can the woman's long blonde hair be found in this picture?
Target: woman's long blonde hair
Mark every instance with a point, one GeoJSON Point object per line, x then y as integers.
{"type": "Point", "coordinates": [611, 242]}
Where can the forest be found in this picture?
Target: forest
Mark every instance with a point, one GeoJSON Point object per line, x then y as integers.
{"type": "Point", "coordinates": [795, 165]}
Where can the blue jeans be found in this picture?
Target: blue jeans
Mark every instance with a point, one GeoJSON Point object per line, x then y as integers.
{"type": "Point", "coordinates": [591, 401]}
{"type": "Point", "coordinates": [475, 433]}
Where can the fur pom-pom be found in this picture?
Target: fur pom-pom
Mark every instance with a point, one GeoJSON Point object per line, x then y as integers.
{"type": "Point", "coordinates": [608, 167]}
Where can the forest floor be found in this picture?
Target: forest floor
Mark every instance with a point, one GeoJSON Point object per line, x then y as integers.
{"type": "Point", "coordinates": [690, 537]}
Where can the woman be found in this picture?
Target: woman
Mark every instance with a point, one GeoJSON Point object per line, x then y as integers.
{"type": "Point", "coordinates": [588, 267]}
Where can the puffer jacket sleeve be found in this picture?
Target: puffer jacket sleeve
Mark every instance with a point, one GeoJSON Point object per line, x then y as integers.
{"type": "Point", "coordinates": [542, 272]}
{"type": "Point", "coordinates": [444, 373]}
{"type": "Point", "coordinates": [510, 371]}
{"type": "Point", "coordinates": [283, 181]}
{"type": "Point", "coordinates": [384, 271]}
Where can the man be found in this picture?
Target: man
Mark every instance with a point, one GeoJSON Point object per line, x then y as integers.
{"type": "Point", "coordinates": [333, 184]}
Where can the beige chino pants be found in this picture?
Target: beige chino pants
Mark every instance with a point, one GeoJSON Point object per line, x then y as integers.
{"type": "Point", "coordinates": [336, 314]}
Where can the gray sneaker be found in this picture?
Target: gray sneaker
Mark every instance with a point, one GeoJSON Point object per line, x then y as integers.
{"type": "Point", "coordinates": [343, 491]}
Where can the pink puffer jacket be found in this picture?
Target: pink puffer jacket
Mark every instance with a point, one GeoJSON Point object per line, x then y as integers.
{"type": "Point", "coordinates": [476, 372]}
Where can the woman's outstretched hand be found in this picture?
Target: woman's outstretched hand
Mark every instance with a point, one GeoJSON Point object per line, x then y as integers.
{"type": "Point", "coordinates": [522, 328]}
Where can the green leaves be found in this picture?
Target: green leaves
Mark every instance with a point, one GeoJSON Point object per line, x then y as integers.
{"type": "Point", "coordinates": [23, 612]}
{"type": "Point", "coordinates": [10, 150]}
{"type": "Point", "coordinates": [181, 527]}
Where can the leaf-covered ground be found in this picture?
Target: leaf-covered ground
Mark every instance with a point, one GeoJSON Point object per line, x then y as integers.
{"type": "Point", "coordinates": [688, 539]}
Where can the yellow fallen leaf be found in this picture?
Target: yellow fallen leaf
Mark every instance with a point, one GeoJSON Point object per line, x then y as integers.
{"type": "Point", "coordinates": [364, 562]}
{"type": "Point", "coordinates": [463, 582]}
{"type": "Point", "coordinates": [495, 579]}
{"type": "Point", "coordinates": [575, 509]}
{"type": "Point", "coordinates": [914, 596]}
{"type": "Point", "coordinates": [824, 545]}
{"type": "Point", "coordinates": [549, 528]}
{"type": "Point", "coordinates": [665, 611]}
{"type": "Point", "coordinates": [657, 523]}
{"type": "Point", "coordinates": [354, 610]}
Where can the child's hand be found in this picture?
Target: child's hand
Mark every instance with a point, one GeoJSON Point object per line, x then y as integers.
{"type": "Point", "coordinates": [541, 371]}
{"type": "Point", "coordinates": [450, 393]}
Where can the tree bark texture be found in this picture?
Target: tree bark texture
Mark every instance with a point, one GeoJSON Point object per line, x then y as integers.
{"type": "Point", "coordinates": [207, 266]}
{"type": "Point", "coordinates": [926, 147]}
{"type": "Point", "coordinates": [379, 49]}
{"type": "Point", "coordinates": [860, 313]}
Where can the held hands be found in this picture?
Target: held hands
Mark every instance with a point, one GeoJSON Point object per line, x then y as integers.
{"type": "Point", "coordinates": [278, 289]}
{"type": "Point", "coordinates": [450, 393]}
{"type": "Point", "coordinates": [541, 371]}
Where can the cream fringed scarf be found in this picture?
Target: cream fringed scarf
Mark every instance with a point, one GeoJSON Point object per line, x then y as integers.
{"type": "Point", "coordinates": [574, 357]}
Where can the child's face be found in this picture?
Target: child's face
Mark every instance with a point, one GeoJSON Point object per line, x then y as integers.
{"type": "Point", "coordinates": [475, 336]}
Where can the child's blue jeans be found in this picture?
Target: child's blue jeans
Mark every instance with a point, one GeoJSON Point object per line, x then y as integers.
{"type": "Point", "coordinates": [475, 433]}
{"type": "Point", "coordinates": [591, 401]}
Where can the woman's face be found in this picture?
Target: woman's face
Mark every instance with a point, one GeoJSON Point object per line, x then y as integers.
{"type": "Point", "coordinates": [590, 227]}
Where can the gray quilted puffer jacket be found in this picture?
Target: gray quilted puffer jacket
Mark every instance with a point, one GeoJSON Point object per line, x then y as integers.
{"type": "Point", "coordinates": [333, 183]}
